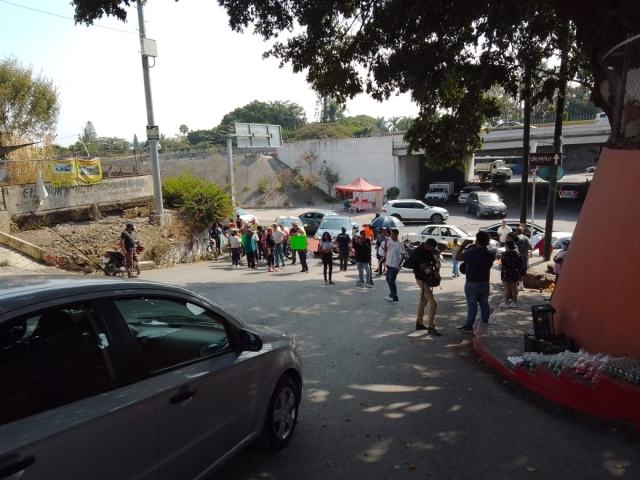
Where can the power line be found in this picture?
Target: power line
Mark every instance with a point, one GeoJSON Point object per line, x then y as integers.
{"type": "Point", "coordinates": [67, 18]}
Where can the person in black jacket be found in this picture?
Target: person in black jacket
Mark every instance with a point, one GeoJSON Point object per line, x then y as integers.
{"type": "Point", "coordinates": [363, 258]}
{"type": "Point", "coordinates": [425, 263]}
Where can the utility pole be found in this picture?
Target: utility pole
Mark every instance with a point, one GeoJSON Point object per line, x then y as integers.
{"type": "Point", "coordinates": [557, 140]}
{"type": "Point", "coordinates": [526, 148]}
{"type": "Point", "coordinates": [153, 142]}
{"type": "Point", "coordinates": [231, 180]}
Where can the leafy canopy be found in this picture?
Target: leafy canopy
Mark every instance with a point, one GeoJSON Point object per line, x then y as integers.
{"type": "Point", "coordinates": [29, 105]}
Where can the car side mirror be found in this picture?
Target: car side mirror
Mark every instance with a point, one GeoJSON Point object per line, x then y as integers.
{"type": "Point", "coordinates": [249, 341]}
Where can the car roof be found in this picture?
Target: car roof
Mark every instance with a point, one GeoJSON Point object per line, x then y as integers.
{"type": "Point", "coordinates": [23, 290]}
{"type": "Point", "coordinates": [285, 217]}
{"type": "Point", "coordinates": [342, 217]}
{"type": "Point", "coordinates": [405, 200]}
{"type": "Point", "coordinates": [510, 223]}
{"type": "Point", "coordinates": [324, 212]}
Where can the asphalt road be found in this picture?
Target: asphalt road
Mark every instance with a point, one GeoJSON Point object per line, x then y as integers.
{"type": "Point", "coordinates": [384, 401]}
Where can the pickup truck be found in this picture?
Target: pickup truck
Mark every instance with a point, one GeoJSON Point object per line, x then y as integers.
{"type": "Point", "coordinates": [439, 192]}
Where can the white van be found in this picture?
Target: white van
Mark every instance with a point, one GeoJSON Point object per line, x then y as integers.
{"type": "Point", "coordinates": [601, 118]}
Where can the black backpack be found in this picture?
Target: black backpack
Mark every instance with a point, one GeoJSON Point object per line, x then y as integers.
{"type": "Point", "coordinates": [429, 277]}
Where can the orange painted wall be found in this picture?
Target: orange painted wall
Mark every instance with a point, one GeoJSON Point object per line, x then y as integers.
{"type": "Point", "coordinates": [597, 299]}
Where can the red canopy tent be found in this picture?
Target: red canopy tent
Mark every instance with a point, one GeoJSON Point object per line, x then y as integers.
{"type": "Point", "coordinates": [368, 194]}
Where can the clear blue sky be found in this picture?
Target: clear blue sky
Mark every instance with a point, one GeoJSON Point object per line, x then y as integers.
{"type": "Point", "coordinates": [203, 69]}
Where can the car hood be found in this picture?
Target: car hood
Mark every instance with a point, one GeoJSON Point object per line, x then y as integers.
{"type": "Point", "coordinates": [333, 233]}
{"type": "Point", "coordinates": [438, 209]}
{"type": "Point", "coordinates": [493, 204]}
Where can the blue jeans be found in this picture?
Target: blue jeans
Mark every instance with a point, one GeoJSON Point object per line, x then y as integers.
{"type": "Point", "coordinates": [364, 268]}
{"type": "Point", "coordinates": [303, 259]}
{"type": "Point", "coordinates": [455, 267]}
{"type": "Point", "coordinates": [392, 273]}
{"type": "Point", "coordinates": [279, 254]}
{"type": "Point", "coordinates": [477, 293]}
{"type": "Point", "coordinates": [235, 256]}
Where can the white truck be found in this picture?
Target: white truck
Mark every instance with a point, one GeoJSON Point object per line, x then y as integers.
{"type": "Point", "coordinates": [439, 192]}
{"type": "Point", "coordinates": [490, 170]}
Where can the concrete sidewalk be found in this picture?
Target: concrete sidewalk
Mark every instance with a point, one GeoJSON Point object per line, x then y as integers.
{"type": "Point", "coordinates": [20, 264]}
{"type": "Point", "coordinates": [503, 337]}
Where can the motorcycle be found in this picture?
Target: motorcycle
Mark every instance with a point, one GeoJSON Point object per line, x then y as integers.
{"type": "Point", "coordinates": [115, 263]}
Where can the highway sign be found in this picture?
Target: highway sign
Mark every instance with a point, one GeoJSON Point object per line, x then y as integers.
{"type": "Point", "coordinates": [153, 132]}
{"type": "Point", "coordinates": [543, 159]}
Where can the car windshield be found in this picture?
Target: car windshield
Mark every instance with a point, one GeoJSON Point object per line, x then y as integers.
{"type": "Point", "coordinates": [287, 221]}
{"type": "Point", "coordinates": [468, 189]}
{"type": "Point", "coordinates": [241, 211]}
{"type": "Point", "coordinates": [335, 224]}
{"type": "Point", "coordinates": [461, 232]}
{"type": "Point", "coordinates": [488, 197]}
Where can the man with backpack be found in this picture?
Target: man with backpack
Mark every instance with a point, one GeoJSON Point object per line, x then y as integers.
{"type": "Point", "coordinates": [426, 268]}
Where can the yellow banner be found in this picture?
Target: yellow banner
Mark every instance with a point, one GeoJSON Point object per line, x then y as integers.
{"type": "Point", "coordinates": [63, 173]}
{"type": "Point", "coordinates": [89, 171]}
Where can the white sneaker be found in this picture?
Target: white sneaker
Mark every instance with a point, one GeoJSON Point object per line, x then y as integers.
{"type": "Point", "coordinates": [520, 288]}
{"type": "Point", "coordinates": [359, 284]}
{"type": "Point", "coordinates": [389, 298]}
{"type": "Point", "coordinates": [369, 286]}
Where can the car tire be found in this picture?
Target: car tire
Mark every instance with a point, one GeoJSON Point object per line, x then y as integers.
{"type": "Point", "coordinates": [437, 218]}
{"type": "Point", "coordinates": [478, 214]}
{"type": "Point", "coordinates": [397, 216]}
{"type": "Point", "coordinates": [282, 415]}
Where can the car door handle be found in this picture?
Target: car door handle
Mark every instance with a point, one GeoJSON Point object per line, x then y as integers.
{"type": "Point", "coordinates": [14, 463]}
{"type": "Point", "coordinates": [185, 393]}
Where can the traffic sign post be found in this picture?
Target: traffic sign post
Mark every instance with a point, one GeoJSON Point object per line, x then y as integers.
{"type": "Point", "coordinates": [545, 159]}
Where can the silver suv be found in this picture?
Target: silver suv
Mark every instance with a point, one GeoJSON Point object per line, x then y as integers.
{"type": "Point", "coordinates": [408, 210]}
{"type": "Point", "coordinates": [485, 204]}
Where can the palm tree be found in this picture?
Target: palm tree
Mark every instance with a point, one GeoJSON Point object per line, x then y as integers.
{"type": "Point", "coordinates": [183, 129]}
{"type": "Point", "coordinates": [381, 125]}
{"type": "Point", "coordinates": [393, 123]}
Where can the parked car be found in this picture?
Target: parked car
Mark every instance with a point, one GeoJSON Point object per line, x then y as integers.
{"type": "Point", "coordinates": [245, 216]}
{"type": "Point", "coordinates": [485, 204]}
{"type": "Point", "coordinates": [107, 378]}
{"type": "Point", "coordinates": [311, 220]}
{"type": "Point", "coordinates": [462, 197]}
{"type": "Point", "coordinates": [510, 126]}
{"type": "Point", "coordinates": [591, 169]}
{"type": "Point", "coordinates": [414, 210]}
{"type": "Point", "coordinates": [568, 191]}
{"type": "Point", "coordinates": [333, 225]}
{"type": "Point", "coordinates": [442, 233]}
{"type": "Point", "coordinates": [493, 229]}
{"type": "Point", "coordinates": [288, 220]}
{"type": "Point", "coordinates": [557, 239]}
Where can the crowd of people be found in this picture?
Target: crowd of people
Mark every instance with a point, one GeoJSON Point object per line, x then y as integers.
{"type": "Point", "coordinates": [474, 259]}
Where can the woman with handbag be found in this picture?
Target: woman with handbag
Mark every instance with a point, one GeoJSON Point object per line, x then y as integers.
{"type": "Point", "coordinates": [270, 244]}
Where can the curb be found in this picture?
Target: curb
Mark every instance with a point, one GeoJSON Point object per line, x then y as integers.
{"type": "Point", "coordinates": [609, 398]}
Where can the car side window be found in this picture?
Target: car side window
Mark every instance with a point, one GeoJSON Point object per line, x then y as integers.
{"type": "Point", "coordinates": [401, 205]}
{"type": "Point", "coordinates": [51, 358]}
{"type": "Point", "coordinates": [430, 231]}
{"type": "Point", "coordinates": [170, 332]}
{"type": "Point", "coordinates": [471, 197]}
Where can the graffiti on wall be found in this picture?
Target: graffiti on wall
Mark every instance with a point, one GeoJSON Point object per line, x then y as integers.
{"type": "Point", "coordinates": [23, 199]}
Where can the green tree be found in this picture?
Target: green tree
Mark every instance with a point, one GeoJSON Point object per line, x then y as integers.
{"type": "Point", "coordinates": [404, 124]}
{"type": "Point", "coordinates": [508, 108]}
{"type": "Point", "coordinates": [29, 104]}
{"type": "Point", "coordinates": [289, 115]}
{"type": "Point", "coordinates": [330, 176]}
{"type": "Point", "coordinates": [360, 125]}
{"type": "Point", "coordinates": [381, 125]}
{"type": "Point", "coordinates": [578, 102]}
{"type": "Point", "coordinates": [392, 123]}
{"type": "Point", "coordinates": [446, 53]}
{"type": "Point", "coordinates": [89, 133]}
{"type": "Point", "coordinates": [183, 129]}
{"type": "Point", "coordinates": [323, 130]}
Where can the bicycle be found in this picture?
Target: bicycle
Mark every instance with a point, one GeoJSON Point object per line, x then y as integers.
{"type": "Point", "coordinates": [213, 251]}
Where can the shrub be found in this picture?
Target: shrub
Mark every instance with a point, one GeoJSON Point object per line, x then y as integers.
{"type": "Point", "coordinates": [262, 185]}
{"type": "Point", "coordinates": [202, 201]}
{"type": "Point", "coordinates": [393, 193]}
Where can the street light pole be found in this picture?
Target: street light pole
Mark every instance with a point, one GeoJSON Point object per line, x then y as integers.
{"type": "Point", "coordinates": [231, 181]}
{"type": "Point", "coordinates": [153, 144]}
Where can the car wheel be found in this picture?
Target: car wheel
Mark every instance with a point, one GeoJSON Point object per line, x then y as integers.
{"type": "Point", "coordinates": [397, 216]}
{"type": "Point", "coordinates": [436, 218]}
{"type": "Point", "coordinates": [478, 214]}
{"type": "Point", "coordinates": [466, 207]}
{"type": "Point", "coordinates": [282, 415]}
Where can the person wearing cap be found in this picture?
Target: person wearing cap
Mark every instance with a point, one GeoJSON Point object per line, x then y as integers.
{"type": "Point", "coordinates": [279, 237]}
{"type": "Point", "coordinates": [128, 245]}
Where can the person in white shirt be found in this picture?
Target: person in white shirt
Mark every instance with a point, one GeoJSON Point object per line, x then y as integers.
{"type": "Point", "coordinates": [278, 237]}
{"type": "Point", "coordinates": [236, 245]}
{"type": "Point", "coordinates": [503, 230]}
{"type": "Point", "coordinates": [394, 254]}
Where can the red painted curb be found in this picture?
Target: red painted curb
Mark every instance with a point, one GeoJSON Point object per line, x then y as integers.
{"type": "Point", "coordinates": [609, 398]}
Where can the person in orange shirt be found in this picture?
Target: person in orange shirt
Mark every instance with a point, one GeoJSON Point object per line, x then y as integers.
{"type": "Point", "coordinates": [368, 231]}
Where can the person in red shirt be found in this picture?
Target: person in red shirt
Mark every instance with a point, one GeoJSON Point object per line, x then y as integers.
{"type": "Point", "coordinates": [540, 246]}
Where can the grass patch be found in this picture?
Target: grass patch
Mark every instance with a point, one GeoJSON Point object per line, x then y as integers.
{"type": "Point", "coordinates": [4, 263]}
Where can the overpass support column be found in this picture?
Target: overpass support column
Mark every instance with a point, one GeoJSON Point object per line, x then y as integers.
{"type": "Point", "coordinates": [468, 175]}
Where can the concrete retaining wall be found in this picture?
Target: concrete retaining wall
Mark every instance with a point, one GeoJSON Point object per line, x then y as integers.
{"type": "Point", "coordinates": [20, 200]}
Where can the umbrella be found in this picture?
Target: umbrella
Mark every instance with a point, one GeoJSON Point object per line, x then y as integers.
{"type": "Point", "coordinates": [386, 221]}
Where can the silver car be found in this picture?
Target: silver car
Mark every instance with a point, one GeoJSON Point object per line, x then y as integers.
{"type": "Point", "coordinates": [105, 378]}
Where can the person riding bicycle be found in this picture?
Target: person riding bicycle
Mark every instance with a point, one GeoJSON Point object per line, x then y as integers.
{"type": "Point", "coordinates": [128, 245]}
